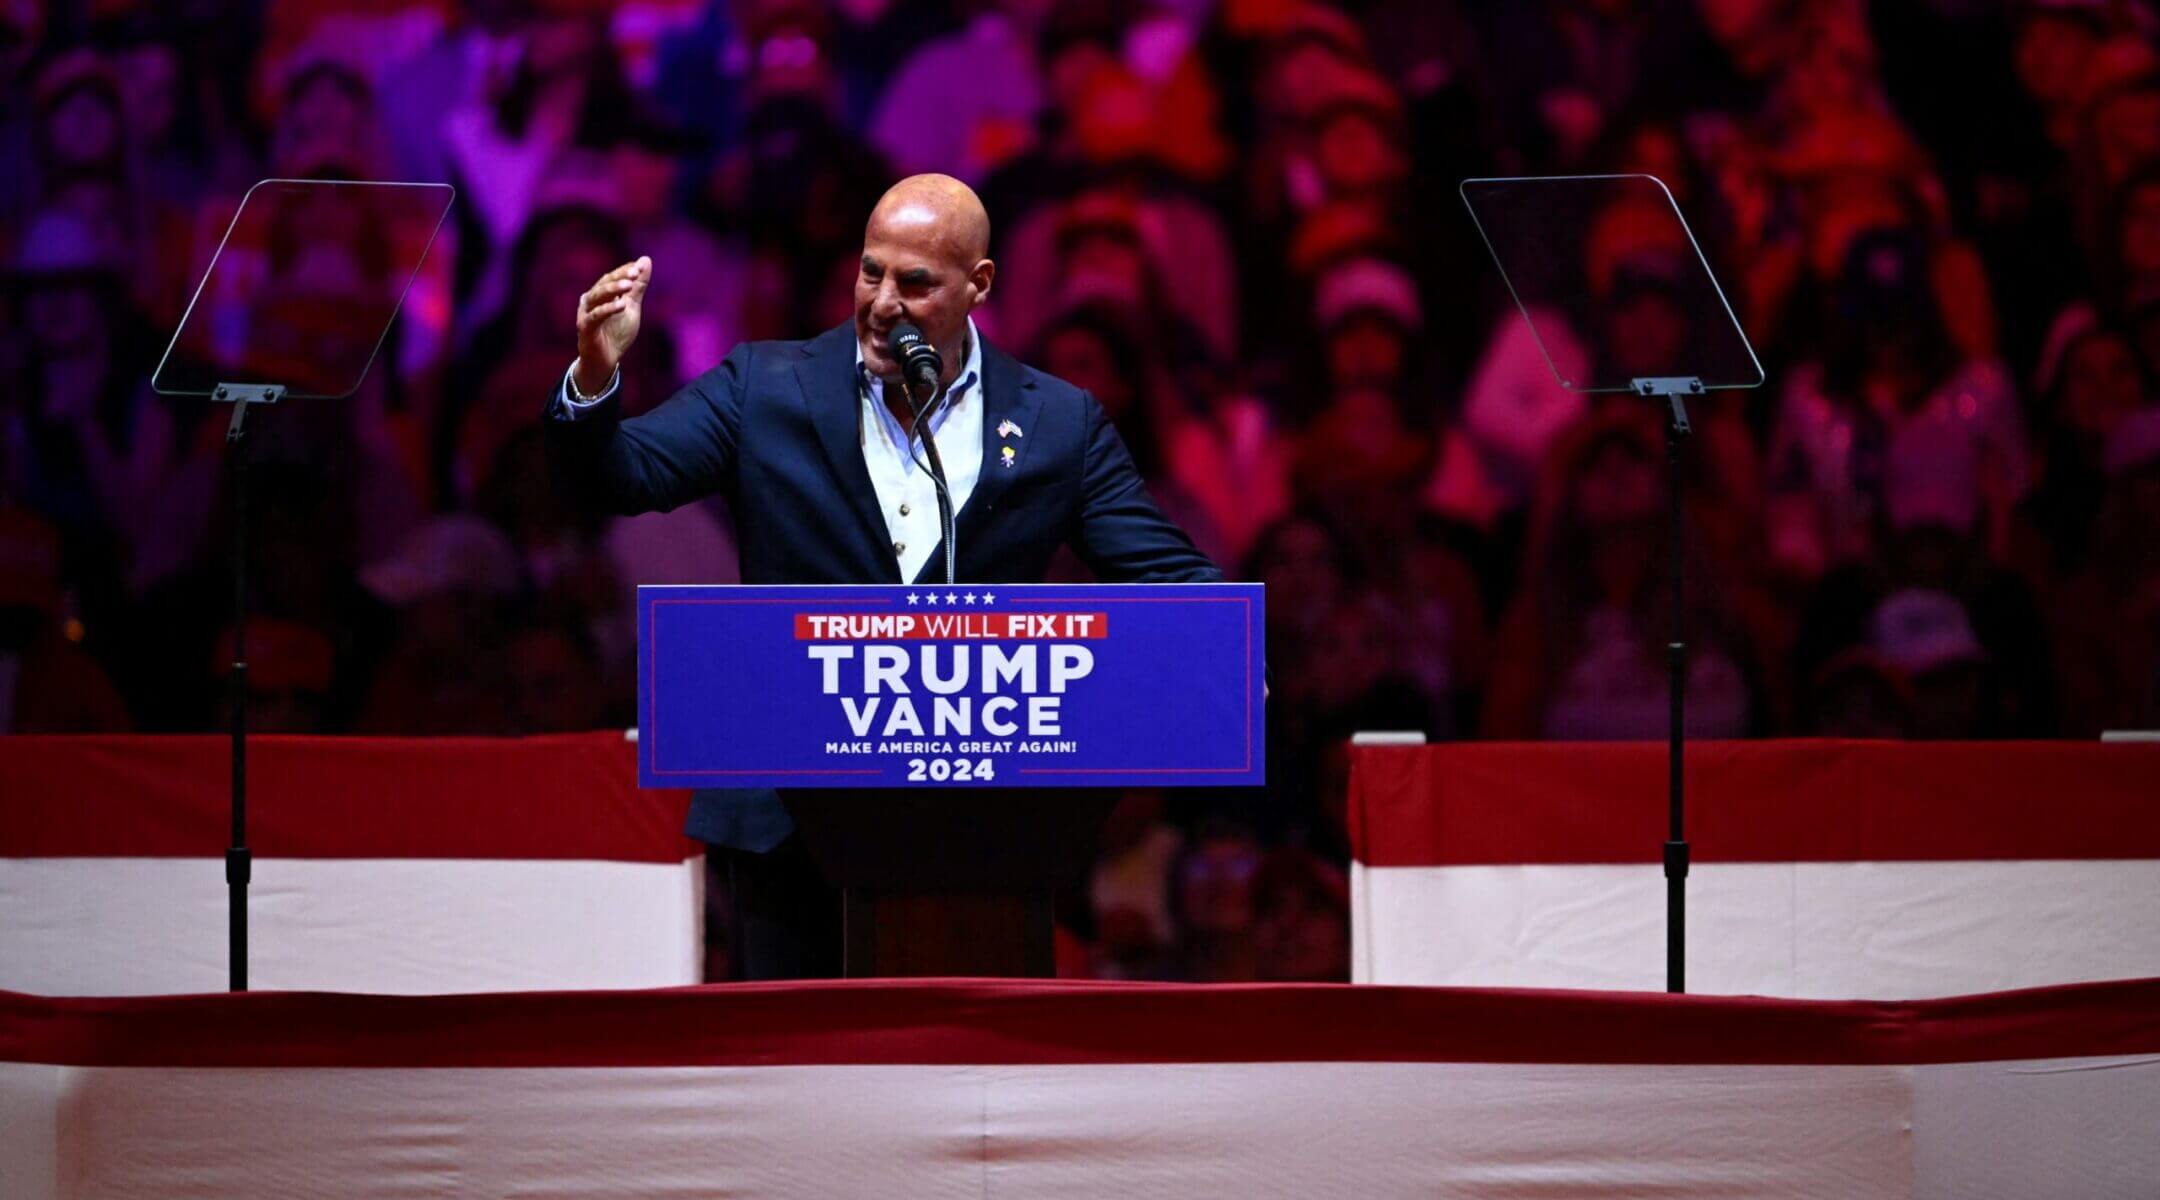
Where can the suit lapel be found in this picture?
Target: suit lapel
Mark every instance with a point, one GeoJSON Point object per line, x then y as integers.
{"type": "Point", "coordinates": [827, 376]}
{"type": "Point", "coordinates": [1008, 396]}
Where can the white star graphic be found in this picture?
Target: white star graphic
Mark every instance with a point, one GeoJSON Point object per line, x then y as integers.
{"type": "Point", "coordinates": [951, 599]}
{"type": "Point", "coordinates": [987, 597]}
{"type": "Point", "coordinates": [932, 599]}
{"type": "Point", "coordinates": [970, 597]}
{"type": "Point", "coordinates": [911, 597]}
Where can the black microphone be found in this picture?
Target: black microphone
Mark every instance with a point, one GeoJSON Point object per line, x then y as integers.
{"type": "Point", "coordinates": [920, 366]}
{"type": "Point", "coordinates": [920, 363]}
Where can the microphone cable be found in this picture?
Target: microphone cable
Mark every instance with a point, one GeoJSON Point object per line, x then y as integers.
{"type": "Point", "coordinates": [936, 469]}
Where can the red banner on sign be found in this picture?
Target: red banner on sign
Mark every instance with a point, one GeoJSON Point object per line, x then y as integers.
{"type": "Point", "coordinates": [951, 626]}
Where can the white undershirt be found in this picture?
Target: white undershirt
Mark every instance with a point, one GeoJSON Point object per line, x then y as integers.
{"type": "Point", "coordinates": [906, 497]}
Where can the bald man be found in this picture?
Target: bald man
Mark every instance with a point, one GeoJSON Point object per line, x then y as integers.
{"type": "Point", "coordinates": [814, 446]}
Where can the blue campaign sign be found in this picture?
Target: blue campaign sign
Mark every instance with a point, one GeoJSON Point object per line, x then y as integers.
{"type": "Point", "coordinates": [1026, 685]}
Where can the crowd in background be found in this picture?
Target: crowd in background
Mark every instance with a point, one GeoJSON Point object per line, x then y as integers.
{"type": "Point", "coordinates": [1236, 222]}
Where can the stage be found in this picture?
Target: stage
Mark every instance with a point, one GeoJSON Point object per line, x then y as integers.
{"type": "Point", "coordinates": [411, 865]}
{"type": "Point", "coordinates": [1822, 869]}
{"type": "Point", "coordinates": [984, 1088]}
{"type": "Point", "coordinates": [526, 870]}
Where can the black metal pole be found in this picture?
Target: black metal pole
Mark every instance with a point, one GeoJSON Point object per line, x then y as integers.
{"type": "Point", "coordinates": [944, 503]}
{"type": "Point", "coordinates": [1676, 847]}
{"type": "Point", "coordinates": [936, 467]}
{"type": "Point", "coordinates": [238, 867]}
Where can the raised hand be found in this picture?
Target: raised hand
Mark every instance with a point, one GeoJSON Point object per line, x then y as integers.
{"type": "Point", "coordinates": [608, 315]}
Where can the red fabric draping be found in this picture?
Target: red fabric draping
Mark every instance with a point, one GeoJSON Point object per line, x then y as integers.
{"type": "Point", "coordinates": [986, 1021]}
{"type": "Point", "coordinates": [572, 796]}
{"type": "Point", "coordinates": [1783, 801]}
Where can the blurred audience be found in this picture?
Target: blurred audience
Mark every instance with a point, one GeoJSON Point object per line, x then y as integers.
{"type": "Point", "coordinates": [1581, 652]}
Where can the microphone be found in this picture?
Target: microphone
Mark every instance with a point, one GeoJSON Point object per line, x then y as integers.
{"type": "Point", "coordinates": [920, 366]}
{"type": "Point", "coordinates": [920, 363]}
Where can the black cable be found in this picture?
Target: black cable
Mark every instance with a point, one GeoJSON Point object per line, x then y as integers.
{"type": "Point", "coordinates": [936, 469]}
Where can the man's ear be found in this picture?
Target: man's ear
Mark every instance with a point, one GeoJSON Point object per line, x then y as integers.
{"type": "Point", "coordinates": [984, 274]}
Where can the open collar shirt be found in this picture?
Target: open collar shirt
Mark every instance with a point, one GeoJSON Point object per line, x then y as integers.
{"type": "Point", "coordinates": [906, 496]}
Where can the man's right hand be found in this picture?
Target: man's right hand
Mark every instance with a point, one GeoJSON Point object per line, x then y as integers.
{"type": "Point", "coordinates": [608, 315]}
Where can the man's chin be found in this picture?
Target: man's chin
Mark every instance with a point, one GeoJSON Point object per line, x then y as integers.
{"type": "Point", "coordinates": [876, 357]}
{"type": "Point", "coordinates": [879, 366]}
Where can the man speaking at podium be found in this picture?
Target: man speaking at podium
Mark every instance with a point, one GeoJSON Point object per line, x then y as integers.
{"type": "Point", "coordinates": [817, 449]}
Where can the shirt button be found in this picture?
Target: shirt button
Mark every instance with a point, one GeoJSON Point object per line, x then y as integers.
{"type": "Point", "coordinates": [903, 510]}
{"type": "Point", "coordinates": [899, 547]}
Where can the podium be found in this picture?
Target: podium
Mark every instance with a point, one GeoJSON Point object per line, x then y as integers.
{"type": "Point", "coordinates": [949, 883]}
{"type": "Point", "coordinates": [950, 762]}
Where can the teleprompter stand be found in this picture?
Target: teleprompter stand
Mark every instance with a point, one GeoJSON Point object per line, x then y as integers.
{"type": "Point", "coordinates": [294, 305]}
{"type": "Point", "coordinates": [1621, 301]}
{"type": "Point", "coordinates": [1674, 392]}
{"type": "Point", "coordinates": [239, 866]}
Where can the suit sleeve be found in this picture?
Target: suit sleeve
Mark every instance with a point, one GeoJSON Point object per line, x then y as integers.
{"type": "Point", "coordinates": [684, 450]}
{"type": "Point", "coordinates": [1123, 537]}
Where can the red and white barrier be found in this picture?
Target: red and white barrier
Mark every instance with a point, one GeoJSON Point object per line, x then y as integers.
{"type": "Point", "coordinates": [1042, 1089]}
{"type": "Point", "coordinates": [1822, 869]}
{"type": "Point", "coordinates": [381, 865]}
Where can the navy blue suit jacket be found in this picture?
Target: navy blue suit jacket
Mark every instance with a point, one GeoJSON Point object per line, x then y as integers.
{"type": "Point", "coordinates": [774, 429]}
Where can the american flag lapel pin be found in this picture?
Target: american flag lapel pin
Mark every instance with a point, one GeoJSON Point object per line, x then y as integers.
{"type": "Point", "coordinates": [1006, 429]}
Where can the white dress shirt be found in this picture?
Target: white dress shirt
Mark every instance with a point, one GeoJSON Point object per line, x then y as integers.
{"type": "Point", "coordinates": [906, 496]}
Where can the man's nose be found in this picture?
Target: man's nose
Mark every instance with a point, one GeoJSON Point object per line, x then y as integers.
{"type": "Point", "coordinates": [887, 307]}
